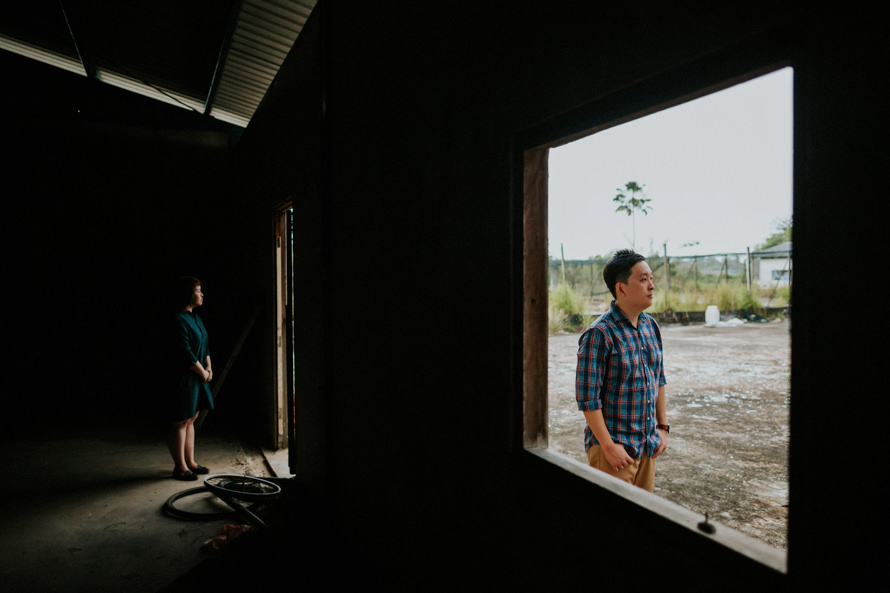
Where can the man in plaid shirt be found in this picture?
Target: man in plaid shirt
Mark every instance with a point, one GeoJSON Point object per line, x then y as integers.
{"type": "Point", "coordinates": [619, 382]}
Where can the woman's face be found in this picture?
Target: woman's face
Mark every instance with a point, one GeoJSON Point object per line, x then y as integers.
{"type": "Point", "coordinates": [197, 298]}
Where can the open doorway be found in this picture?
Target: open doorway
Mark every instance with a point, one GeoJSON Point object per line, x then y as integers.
{"type": "Point", "coordinates": [283, 420]}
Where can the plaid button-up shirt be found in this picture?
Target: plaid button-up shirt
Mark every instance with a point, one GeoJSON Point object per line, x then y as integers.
{"type": "Point", "coordinates": [620, 368]}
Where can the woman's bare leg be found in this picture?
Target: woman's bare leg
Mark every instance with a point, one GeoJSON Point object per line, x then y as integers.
{"type": "Point", "coordinates": [181, 442]}
{"type": "Point", "coordinates": [176, 439]}
{"type": "Point", "coordinates": [189, 445]}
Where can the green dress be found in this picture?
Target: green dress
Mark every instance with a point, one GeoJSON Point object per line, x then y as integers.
{"type": "Point", "coordinates": [193, 393]}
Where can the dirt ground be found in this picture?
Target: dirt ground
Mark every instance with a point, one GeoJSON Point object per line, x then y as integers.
{"type": "Point", "coordinates": [728, 405]}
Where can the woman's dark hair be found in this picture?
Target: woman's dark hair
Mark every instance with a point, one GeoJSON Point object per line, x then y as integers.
{"type": "Point", "coordinates": [187, 286]}
{"type": "Point", "coordinates": [617, 269]}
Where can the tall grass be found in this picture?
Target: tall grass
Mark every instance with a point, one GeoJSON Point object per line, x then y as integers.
{"type": "Point", "coordinates": [781, 297]}
{"type": "Point", "coordinates": [567, 309]}
{"type": "Point", "coordinates": [725, 296]}
{"type": "Point", "coordinates": [731, 296]}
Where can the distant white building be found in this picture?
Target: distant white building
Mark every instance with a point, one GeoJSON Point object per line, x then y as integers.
{"type": "Point", "coordinates": [772, 267]}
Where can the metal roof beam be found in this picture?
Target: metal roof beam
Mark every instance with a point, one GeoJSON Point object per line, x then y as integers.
{"type": "Point", "coordinates": [72, 19]}
{"type": "Point", "coordinates": [223, 50]}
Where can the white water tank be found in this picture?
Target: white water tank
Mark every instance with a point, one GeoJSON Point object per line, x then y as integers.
{"type": "Point", "coordinates": [712, 315]}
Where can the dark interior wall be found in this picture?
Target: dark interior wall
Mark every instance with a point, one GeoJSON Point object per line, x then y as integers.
{"type": "Point", "coordinates": [407, 202]}
{"type": "Point", "coordinates": [840, 153]}
{"type": "Point", "coordinates": [109, 197]}
{"type": "Point", "coordinates": [418, 389]}
{"type": "Point", "coordinates": [279, 165]}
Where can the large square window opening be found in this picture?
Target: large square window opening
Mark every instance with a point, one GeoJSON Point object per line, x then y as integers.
{"type": "Point", "coordinates": [704, 191]}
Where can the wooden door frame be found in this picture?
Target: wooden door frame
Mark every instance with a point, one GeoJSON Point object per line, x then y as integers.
{"type": "Point", "coordinates": [283, 406]}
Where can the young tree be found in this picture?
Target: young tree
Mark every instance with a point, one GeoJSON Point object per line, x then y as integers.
{"type": "Point", "coordinates": [783, 228]}
{"type": "Point", "coordinates": [631, 203]}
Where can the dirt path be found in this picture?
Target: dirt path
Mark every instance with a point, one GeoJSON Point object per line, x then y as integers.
{"type": "Point", "coordinates": [728, 405]}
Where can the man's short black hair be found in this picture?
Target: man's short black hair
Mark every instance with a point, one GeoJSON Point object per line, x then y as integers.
{"type": "Point", "coordinates": [618, 267]}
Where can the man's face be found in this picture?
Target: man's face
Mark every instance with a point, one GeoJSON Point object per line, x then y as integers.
{"type": "Point", "coordinates": [639, 290]}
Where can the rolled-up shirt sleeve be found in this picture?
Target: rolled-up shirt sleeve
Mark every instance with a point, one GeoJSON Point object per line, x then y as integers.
{"type": "Point", "coordinates": [660, 359]}
{"type": "Point", "coordinates": [593, 351]}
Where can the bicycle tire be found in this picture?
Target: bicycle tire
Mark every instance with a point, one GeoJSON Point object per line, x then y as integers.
{"type": "Point", "coordinates": [246, 488]}
{"type": "Point", "coordinates": [170, 509]}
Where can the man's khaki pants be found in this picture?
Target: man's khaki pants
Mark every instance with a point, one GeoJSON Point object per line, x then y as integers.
{"type": "Point", "coordinates": [639, 473]}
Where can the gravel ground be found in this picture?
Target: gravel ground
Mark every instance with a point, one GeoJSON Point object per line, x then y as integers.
{"type": "Point", "coordinates": [728, 404]}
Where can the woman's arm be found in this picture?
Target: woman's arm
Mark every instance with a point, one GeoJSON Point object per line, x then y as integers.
{"type": "Point", "coordinates": [197, 368]}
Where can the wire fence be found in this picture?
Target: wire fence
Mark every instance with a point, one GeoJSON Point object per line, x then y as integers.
{"type": "Point", "coordinates": [729, 280]}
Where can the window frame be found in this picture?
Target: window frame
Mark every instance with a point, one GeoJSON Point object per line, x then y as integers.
{"type": "Point", "coordinates": [531, 152]}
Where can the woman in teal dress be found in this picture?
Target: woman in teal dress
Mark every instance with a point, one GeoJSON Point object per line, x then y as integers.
{"type": "Point", "coordinates": [193, 389]}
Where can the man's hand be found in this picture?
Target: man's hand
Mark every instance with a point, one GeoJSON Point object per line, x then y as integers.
{"type": "Point", "coordinates": [662, 433]}
{"type": "Point", "coordinates": [617, 456]}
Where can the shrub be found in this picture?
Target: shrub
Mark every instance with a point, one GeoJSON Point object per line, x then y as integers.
{"type": "Point", "coordinates": [567, 299]}
{"type": "Point", "coordinates": [730, 296]}
{"type": "Point", "coordinates": [680, 300]}
{"type": "Point", "coordinates": [726, 296]}
{"type": "Point", "coordinates": [751, 302]}
{"type": "Point", "coordinates": [667, 301]}
{"type": "Point", "coordinates": [567, 310]}
{"type": "Point", "coordinates": [781, 297]}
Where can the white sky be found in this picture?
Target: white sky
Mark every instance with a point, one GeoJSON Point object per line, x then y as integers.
{"type": "Point", "coordinates": [718, 171]}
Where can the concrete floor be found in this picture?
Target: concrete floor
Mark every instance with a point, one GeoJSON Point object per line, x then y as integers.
{"type": "Point", "coordinates": [83, 512]}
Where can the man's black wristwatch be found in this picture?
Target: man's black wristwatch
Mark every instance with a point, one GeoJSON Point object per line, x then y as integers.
{"type": "Point", "coordinates": [664, 427]}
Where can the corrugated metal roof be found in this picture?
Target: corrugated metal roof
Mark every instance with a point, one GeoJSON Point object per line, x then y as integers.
{"type": "Point", "coordinates": [265, 31]}
{"type": "Point", "coordinates": [168, 59]}
{"type": "Point", "coordinates": [41, 54]}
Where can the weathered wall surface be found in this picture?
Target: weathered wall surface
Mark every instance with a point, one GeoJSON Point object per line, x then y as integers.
{"type": "Point", "coordinates": [409, 387]}
{"type": "Point", "coordinates": [426, 115]}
